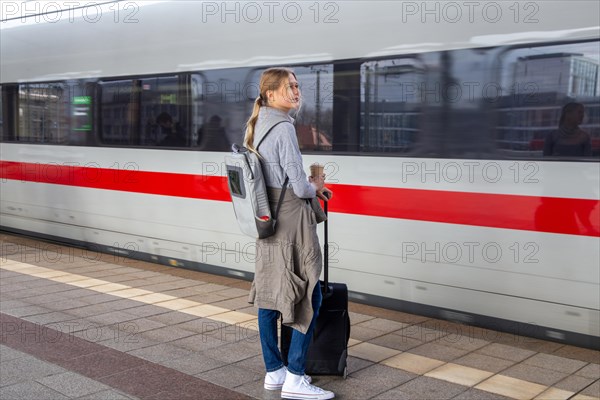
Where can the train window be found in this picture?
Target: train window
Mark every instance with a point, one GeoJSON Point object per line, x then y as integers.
{"type": "Point", "coordinates": [314, 122]}
{"type": "Point", "coordinates": [553, 106]}
{"type": "Point", "coordinates": [43, 113]}
{"type": "Point", "coordinates": [390, 114]}
{"type": "Point", "coordinates": [3, 132]}
{"type": "Point", "coordinates": [119, 109]}
{"type": "Point", "coordinates": [217, 112]}
{"type": "Point", "coordinates": [82, 106]}
{"type": "Point", "coordinates": [162, 112]}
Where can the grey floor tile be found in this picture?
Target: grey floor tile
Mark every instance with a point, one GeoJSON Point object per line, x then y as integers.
{"type": "Point", "coordinates": [396, 342]}
{"type": "Point", "coordinates": [9, 354]}
{"type": "Point", "coordinates": [589, 371]}
{"type": "Point", "coordinates": [476, 394]}
{"type": "Point", "coordinates": [429, 388]}
{"type": "Point", "coordinates": [72, 385]}
{"type": "Point", "coordinates": [484, 362]}
{"type": "Point", "coordinates": [107, 395]}
{"type": "Point", "coordinates": [29, 390]}
{"type": "Point", "coordinates": [234, 352]}
{"type": "Point", "coordinates": [26, 368]}
{"type": "Point", "coordinates": [574, 383]}
{"type": "Point", "coordinates": [161, 352]}
{"type": "Point", "coordinates": [194, 364]}
{"type": "Point", "coordinates": [592, 390]}
{"type": "Point", "coordinates": [534, 374]}
{"type": "Point", "coordinates": [439, 351]}
{"type": "Point", "coordinates": [560, 364]}
{"type": "Point", "coordinates": [506, 352]}
{"type": "Point", "coordinates": [230, 376]}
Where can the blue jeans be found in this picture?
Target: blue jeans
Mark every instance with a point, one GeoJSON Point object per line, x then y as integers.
{"type": "Point", "coordinates": [267, 326]}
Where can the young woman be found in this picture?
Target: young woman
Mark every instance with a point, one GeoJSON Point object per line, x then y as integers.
{"type": "Point", "coordinates": [288, 264]}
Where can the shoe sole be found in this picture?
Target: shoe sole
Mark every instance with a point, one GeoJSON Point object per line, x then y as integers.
{"type": "Point", "coordinates": [299, 396]}
{"type": "Point", "coordinates": [273, 387]}
{"type": "Point", "coordinates": [269, 386]}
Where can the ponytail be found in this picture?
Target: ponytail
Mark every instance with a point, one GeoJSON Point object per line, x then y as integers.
{"type": "Point", "coordinates": [251, 123]}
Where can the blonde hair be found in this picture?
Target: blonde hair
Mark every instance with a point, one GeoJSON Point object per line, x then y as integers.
{"type": "Point", "coordinates": [271, 79]}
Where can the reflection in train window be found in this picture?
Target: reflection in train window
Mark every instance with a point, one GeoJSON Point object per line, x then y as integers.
{"type": "Point", "coordinates": [118, 112]}
{"type": "Point", "coordinates": [541, 80]}
{"type": "Point", "coordinates": [162, 121]}
{"type": "Point", "coordinates": [43, 113]}
{"type": "Point", "coordinates": [314, 122]}
{"type": "Point", "coordinates": [217, 109]}
{"type": "Point", "coordinates": [390, 105]}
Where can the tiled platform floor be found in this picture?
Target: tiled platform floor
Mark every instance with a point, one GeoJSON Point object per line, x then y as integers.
{"type": "Point", "coordinates": [81, 325]}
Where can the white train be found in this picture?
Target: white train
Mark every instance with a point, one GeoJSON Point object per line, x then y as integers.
{"type": "Point", "coordinates": [430, 118]}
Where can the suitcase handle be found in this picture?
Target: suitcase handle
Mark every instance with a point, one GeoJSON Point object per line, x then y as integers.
{"type": "Point", "coordinates": [326, 289]}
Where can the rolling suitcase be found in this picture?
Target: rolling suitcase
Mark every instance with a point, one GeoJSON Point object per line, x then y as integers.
{"type": "Point", "coordinates": [328, 351]}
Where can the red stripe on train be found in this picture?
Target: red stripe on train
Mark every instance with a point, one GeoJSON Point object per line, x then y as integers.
{"type": "Point", "coordinates": [531, 213]}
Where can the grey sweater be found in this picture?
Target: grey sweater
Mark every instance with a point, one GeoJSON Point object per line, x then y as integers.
{"type": "Point", "coordinates": [281, 153]}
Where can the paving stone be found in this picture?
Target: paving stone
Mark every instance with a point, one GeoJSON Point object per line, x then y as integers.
{"type": "Point", "coordinates": [194, 364]}
{"type": "Point", "coordinates": [107, 395]}
{"type": "Point", "coordinates": [476, 394]}
{"type": "Point", "coordinates": [555, 363]}
{"type": "Point", "coordinates": [534, 374]}
{"type": "Point", "coordinates": [26, 368]}
{"type": "Point", "coordinates": [397, 342]}
{"type": "Point", "coordinates": [72, 385]}
{"type": "Point", "coordinates": [506, 352]}
{"type": "Point", "coordinates": [593, 390]}
{"type": "Point", "coordinates": [9, 354]}
{"type": "Point", "coordinates": [230, 376]}
{"type": "Point", "coordinates": [511, 387]}
{"type": "Point", "coordinates": [589, 371]}
{"type": "Point", "coordinates": [29, 391]}
{"type": "Point", "coordinates": [371, 352]}
{"type": "Point", "coordinates": [234, 352]}
{"type": "Point", "coordinates": [160, 353]}
{"type": "Point", "coordinates": [438, 351]}
{"type": "Point", "coordinates": [429, 388]}
{"type": "Point", "coordinates": [484, 362]}
{"type": "Point", "coordinates": [574, 383]}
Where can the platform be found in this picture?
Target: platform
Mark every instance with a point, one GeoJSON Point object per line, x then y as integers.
{"type": "Point", "coordinates": [82, 325]}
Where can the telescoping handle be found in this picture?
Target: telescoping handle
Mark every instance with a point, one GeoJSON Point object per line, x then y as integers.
{"type": "Point", "coordinates": [326, 249]}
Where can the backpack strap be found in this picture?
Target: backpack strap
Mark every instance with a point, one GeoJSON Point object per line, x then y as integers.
{"type": "Point", "coordinates": [285, 183]}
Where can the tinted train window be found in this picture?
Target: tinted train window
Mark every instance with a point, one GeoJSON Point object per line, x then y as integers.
{"type": "Point", "coordinates": [4, 134]}
{"type": "Point", "coordinates": [119, 110]}
{"type": "Point", "coordinates": [391, 97]}
{"type": "Point", "coordinates": [162, 112]}
{"type": "Point", "coordinates": [314, 122]}
{"type": "Point", "coordinates": [217, 112]}
{"type": "Point", "coordinates": [144, 112]}
{"type": "Point", "coordinates": [43, 113]}
{"type": "Point", "coordinates": [541, 81]}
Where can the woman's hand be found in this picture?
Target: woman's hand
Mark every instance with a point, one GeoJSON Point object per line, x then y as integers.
{"type": "Point", "coordinates": [325, 194]}
{"type": "Point", "coordinates": [319, 183]}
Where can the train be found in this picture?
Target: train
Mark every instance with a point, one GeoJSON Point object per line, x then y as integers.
{"type": "Point", "coordinates": [429, 118]}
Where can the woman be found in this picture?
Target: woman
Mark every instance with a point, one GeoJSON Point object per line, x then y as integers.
{"type": "Point", "coordinates": [288, 264]}
{"type": "Point", "coordinates": [569, 140]}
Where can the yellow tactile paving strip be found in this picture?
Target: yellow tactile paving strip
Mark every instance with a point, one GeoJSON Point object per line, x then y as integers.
{"type": "Point", "coordinates": [430, 367]}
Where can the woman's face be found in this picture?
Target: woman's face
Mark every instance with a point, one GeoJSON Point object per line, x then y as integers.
{"type": "Point", "coordinates": [575, 116]}
{"type": "Point", "coordinates": [287, 96]}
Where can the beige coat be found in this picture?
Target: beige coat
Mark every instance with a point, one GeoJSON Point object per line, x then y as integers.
{"type": "Point", "coordinates": [289, 263]}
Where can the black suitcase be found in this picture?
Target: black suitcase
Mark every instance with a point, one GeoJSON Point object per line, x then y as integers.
{"type": "Point", "coordinates": [328, 351]}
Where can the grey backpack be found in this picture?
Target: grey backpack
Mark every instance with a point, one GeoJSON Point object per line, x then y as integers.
{"type": "Point", "coordinates": [249, 192]}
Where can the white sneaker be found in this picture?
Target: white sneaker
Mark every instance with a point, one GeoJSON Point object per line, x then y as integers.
{"type": "Point", "coordinates": [297, 387]}
{"type": "Point", "coordinates": [274, 380]}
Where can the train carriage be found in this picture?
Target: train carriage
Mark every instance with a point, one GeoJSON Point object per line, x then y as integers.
{"type": "Point", "coordinates": [430, 119]}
